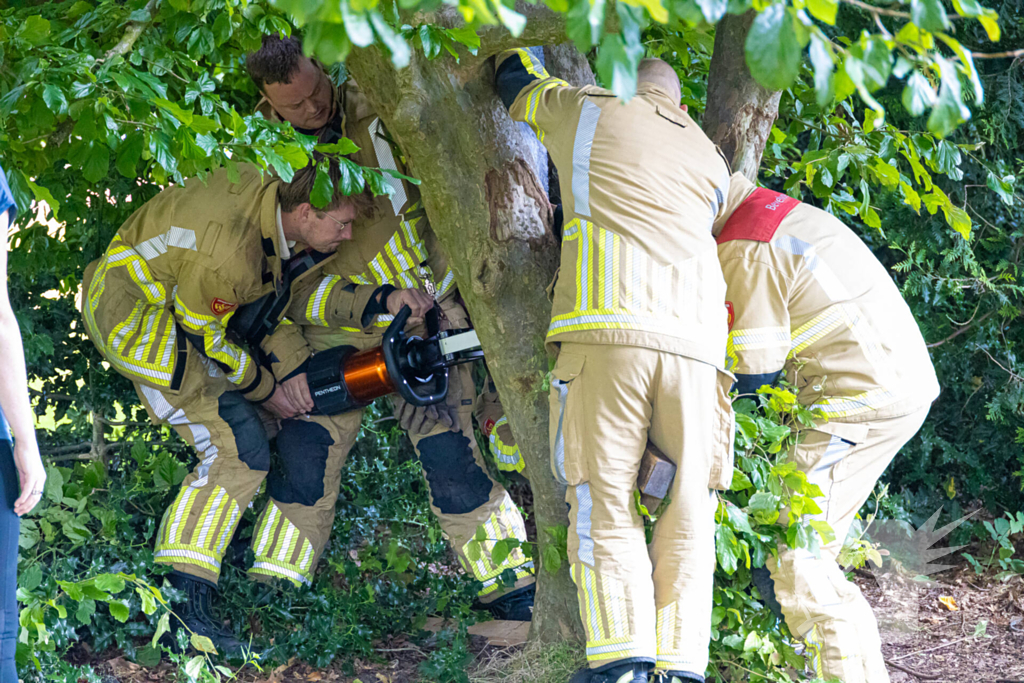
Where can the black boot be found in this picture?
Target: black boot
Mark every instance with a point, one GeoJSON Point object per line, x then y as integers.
{"type": "Point", "coordinates": [514, 606]}
{"type": "Point", "coordinates": [196, 614]}
{"type": "Point", "coordinates": [681, 677]}
{"type": "Point", "coordinates": [627, 672]}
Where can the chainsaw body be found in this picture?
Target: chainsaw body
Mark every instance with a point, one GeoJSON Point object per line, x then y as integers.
{"type": "Point", "coordinates": [344, 379]}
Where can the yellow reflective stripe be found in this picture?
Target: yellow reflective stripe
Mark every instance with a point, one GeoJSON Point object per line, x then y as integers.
{"type": "Point", "coordinates": [215, 343]}
{"type": "Point", "coordinates": [178, 553]}
{"type": "Point", "coordinates": [508, 458]}
{"type": "Point", "coordinates": [228, 529]}
{"type": "Point", "coordinates": [532, 67]}
{"type": "Point", "coordinates": [816, 328]}
{"type": "Point", "coordinates": [178, 512]}
{"type": "Point", "coordinates": [447, 282]}
{"type": "Point", "coordinates": [307, 555]}
{"type": "Point", "coordinates": [847, 406]}
{"type": "Point", "coordinates": [272, 568]}
{"type": "Point", "coordinates": [316, 308]}
{"type": "Point", "coordinates": [288, 543]}
{"type": "Point", "coordinates": [212, 511]}
{"type": "Point", "coordinates": [267, 527]}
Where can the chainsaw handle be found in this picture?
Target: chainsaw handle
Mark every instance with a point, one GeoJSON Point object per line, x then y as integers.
{"type": "Point", "coordinates": [392, 346]}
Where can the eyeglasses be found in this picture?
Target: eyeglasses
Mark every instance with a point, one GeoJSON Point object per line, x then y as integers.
{"type": "Point", "coordinates": [343, 224]}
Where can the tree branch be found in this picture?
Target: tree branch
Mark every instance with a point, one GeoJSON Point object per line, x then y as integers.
{"type": "Point", "coordinates": [543, 27]}
{"type": "Point", "coordinates": [960, 331]}
{"type": "Point", "coordinates": [1012, 54]}
{"type": "Point", "coordinates": [132, 31]}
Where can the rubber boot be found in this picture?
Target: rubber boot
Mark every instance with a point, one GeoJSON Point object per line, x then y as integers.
{"type": "Point", "coordinates": [514, 606]}
{"type": "Point", "coordinates": [627, 672]}
{"type": "Point", "coordinates": [196, 614]}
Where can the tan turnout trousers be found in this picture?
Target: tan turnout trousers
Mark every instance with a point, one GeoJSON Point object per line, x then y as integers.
{"type": "Point", "coordinates": [638, 601]}
{"type": "Point", "coordinates": [819, 604]}
{"type": "Point", "coordinates": [231, 441]}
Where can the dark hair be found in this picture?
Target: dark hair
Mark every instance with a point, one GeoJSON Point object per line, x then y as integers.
{"type": "Point", "coordinates": [276, 61]}
{"type": "Point", "coordinates": [298, 191]}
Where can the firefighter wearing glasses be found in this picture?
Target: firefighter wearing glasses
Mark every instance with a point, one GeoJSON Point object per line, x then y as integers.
{"type": "Point", "coordinates": [808, 301]}
{"type": "Point", "coordinates": [158, 305]}
{"type": "Point", "coordinates": [640, 319]}
{"type": "Point", "coordinates": [395, 249]}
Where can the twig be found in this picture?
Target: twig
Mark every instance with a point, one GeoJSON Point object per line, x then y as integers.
{"type": "Point", "coordinates": [1011, 373]}
{"type": "Point", "coordinates": [913, 672]}
{"type": "Point", "coordinates": [877, 10]}
{"type": "Point", "coordinates": [55, 397]}
{"type": "Point", "coordinates": [1011, 54]}
{"type": "Point", "coordinates": [132, 31]}
{"type": "Point", "coordinates": [83, 447]}
{"type": "Point", "coordinates": [960, 331]}
{"type": "Point", "coordinates": [931, 649]}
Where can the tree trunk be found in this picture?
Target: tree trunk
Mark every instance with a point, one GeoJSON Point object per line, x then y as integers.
{"type": "Point", "coordinates": [493, 217]}
{"type": "Point", "coordinates": [740, 111]}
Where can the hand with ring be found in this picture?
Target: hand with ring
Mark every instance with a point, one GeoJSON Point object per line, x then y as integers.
{"type": "Point", "coordinates": [31, 474]}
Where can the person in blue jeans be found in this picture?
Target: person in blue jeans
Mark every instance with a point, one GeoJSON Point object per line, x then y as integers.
{"type": "Point", "coordinates": [21, 471]}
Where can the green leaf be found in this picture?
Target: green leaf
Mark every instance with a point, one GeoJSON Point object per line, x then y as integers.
{"type": "Point", "coordinates": [773, 49]}
{"type": "Point", "coordinates": [112, 583]}
{"type": "Point", "coordinates": [824, 10]}
{"type": "Point", "coordinates": [918, 95]}
{"type": "Point", "coordinates": [929, 15]}
{"type": "Point", "coordinates": [322, 194]}
{"type": "Point", "coordinates": [195, 666]}
{"type": "Point", "coordinates": [551, 559]}
{"type": "Point", "coordinates": [394, 42]}
{"type": "Point", "coordinates": [222, 28]}
{"type": "Point", "coordinates": [86, 608]}
{"type": "Point", "coordinates": [465, 36]}
{"type": "Point", "coordinates": [34, 31]}
{"type": "Point", "coordinates": [824, 66]}
{"type": "Point", "coordinates": [344, 147]}
{"type": "Point", "coordinates": [119, 610]}
{"type": "Point", "coordinates": [148, 601]}
{"type": "Point", "coordinates": [500, 552]}
{"type": "Point", "coordinates": [174, 110]}
{"type": "Point", "coordinates": [1002, 186]}
{"type": "Point", "coordinates": [148, 656]}
{"type": "Point", "coordinates": [203, 644]}
{"type": "Point", "coordinates": [44, 195]}
{"type": "Point", "coordinates": [128, 155]}
{"type": "Point", "coordinates": [949, 110]}
{"type": "Point", "coordinates": [162, 627]}
{"type": "Point", "coordinates": [352, 181]}
{"type": "Point", "coordinates": [201, 43]}
{"type": "Point", "coordinates": [55, 99]}
{"type": "Point", "coordinates": [31, 578]}
{"type": "Point", "coordinates": [967, 65]}
{"type": "Point", "coordinates": [713, 10]}
{"type": "Point", "coordinates": [54, 487]}
{"type": "Point", "coordinates": [824, 529]}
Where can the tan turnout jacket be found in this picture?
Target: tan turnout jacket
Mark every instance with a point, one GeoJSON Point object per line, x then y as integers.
{"type": "Point", "coordinates": [638, 264]}
{"type": "Point", "coordinates": [177, 271]}
{"type": "Point", "coordinates": [807, 297]}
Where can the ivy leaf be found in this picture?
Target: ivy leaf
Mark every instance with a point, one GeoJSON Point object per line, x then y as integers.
{"type": "Point", "coordinates": [55, 99]}
{"type": "Point", "coordinates": [929, 15]}
{"type": "Point", "coordinates": [148, 656]}
{"type": "Point", "coordinates": [772, 48]}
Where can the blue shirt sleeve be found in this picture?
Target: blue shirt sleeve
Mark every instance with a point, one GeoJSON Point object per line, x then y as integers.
{"type": "Point", "coordinates": [6, 198]}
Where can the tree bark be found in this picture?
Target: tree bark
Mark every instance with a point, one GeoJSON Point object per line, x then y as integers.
{"type": "Point", "coordinates": [740, 111]}
{"type": "Point", "coordinates": [491, 214]}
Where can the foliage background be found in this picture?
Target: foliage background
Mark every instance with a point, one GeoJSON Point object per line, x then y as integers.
{"type": "Point", "coordinates": [941, 213]}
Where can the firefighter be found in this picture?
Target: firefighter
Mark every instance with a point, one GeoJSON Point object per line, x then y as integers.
{"type": "Point", "coordinates": [394, 247]}
{"type": "Point", "coordinates": [158, 305]}
{"type": "Point", "coordinates": [640, 319]}
{"type": "Point", "coordinates": [809, 302]}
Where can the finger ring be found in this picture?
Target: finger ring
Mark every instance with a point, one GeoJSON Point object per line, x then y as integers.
{"type": "Point", "coordinates": [37, 493]}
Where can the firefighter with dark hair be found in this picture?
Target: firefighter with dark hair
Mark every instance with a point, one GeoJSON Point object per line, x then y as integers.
{"type": "Point", "coordinates": [159, 306]}
{"type": "Point", "coordinates": [639, 326]}
{"type": "Point", "coordinates": [395, 249]}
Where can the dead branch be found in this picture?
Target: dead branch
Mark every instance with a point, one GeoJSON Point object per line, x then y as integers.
{"type": "Point", "coordinates": [913, 672]}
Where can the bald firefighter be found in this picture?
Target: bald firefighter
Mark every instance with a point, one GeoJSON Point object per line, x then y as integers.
{"type": "Point", "coordinates": [808, 301]}
{"type": "Point", "coordinates": [159, 305]}
{"type": "Point", "coordinates": [640, 320]}
{"type": "Point", "coordinates": [394, 249]}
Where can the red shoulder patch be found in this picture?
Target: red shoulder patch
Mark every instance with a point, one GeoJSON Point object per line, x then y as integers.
{"type": "Point", "coordinates": [488, 426]}
{"type": "Point", "coordinates": [220, 307]}
{"type": "Point", "coordinates": [758, 217]}
{"type": "Point", "coordinates": [732, 313]}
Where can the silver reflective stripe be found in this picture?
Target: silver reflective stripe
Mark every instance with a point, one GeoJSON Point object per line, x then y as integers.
{"type": "Point", "coordinates": [182, 238]}
{"type": "Point", "coordinates": [585, 130]}
{"type": "Point", "coordinates": [584, 523]}
{"type": "Point", "coordinates": [386, 160]}
{"type": "Point", "coordinates": [617, 647]}
{"type": "Point", "coordinates": [188, 554]}
{"type": "Point", "coordinates": [821, 474]}
{"type": "Point", "coordinates": [834, 289]}
{"type": "Point", "coordinates": [559, 454]}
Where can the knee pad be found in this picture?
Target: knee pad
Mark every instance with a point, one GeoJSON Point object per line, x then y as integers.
{"type": "Point", "coordinates": [247, 429]}
{"type": "Point", "coordinates": [457, 484]}
{"type": "Point", "coordinates": [304, 448]}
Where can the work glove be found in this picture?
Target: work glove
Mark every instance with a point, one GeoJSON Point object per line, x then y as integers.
{"type": "Point", "coordinates": [421, 420]}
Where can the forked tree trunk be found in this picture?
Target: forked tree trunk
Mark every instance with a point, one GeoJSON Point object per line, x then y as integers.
{"type": "Point", "coordinates": [493, 217]}
{"type": "Point", "coordinates": [740, 111]}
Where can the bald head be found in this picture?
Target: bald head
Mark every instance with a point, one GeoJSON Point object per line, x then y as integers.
{"type": "Point", "coordinates": [659, 73]}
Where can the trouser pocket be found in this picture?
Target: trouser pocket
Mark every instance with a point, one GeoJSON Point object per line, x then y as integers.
{"type": "Point", "coordinates": [725, 427]}
{"type": "Point", "coordinates": [566, 462]}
